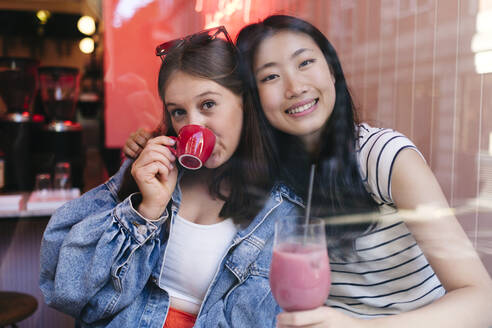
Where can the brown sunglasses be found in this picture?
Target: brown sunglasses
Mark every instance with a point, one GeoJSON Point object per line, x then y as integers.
{"type": "Point", "coordinates": [211, 34]}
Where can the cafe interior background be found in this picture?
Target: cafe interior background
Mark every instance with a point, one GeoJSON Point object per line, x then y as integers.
{"type": "Point", "coordinates": [421, 67]}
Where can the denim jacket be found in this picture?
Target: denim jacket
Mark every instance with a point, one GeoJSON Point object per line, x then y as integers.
{"type": "Point", "coordinates": [101, 262]}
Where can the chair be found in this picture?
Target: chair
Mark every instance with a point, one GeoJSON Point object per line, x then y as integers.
{"type": "Point", "coordinates": [15, 307]}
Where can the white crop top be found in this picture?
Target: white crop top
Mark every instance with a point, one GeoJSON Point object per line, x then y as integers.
{"type": "Point", "coordinates": [193, 254]}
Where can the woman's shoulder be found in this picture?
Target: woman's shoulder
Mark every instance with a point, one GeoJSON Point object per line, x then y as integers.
{"type": "Point", "coordinates": [367, 135]}
{"type": "Point", "coordinates": [376, 150]}
{"type": "Point", "coordinates": [380, 143]}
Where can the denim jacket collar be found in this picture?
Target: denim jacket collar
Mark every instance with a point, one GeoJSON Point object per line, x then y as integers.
{"type": "Point", "coordinates": [278, 192]}
{"type": "Point", "coordinates": [114, 182]}
{"type": "Point", "coordinates": [260, 230]}
{"type": "Point", "coordinates": [250, 251]}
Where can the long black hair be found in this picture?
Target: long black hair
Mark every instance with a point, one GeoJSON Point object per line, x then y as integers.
{"type": "Point", "coordinates": [244, 175]}
{"type": "Point", "coordinates": [338, 188]}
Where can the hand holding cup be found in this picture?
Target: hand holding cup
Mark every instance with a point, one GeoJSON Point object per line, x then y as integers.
{"type": "Point", "coordinates": [156, 176]}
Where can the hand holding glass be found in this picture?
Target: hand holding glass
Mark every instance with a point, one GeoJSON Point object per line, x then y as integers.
{"type": "Point", "coordinates": [300, 270]}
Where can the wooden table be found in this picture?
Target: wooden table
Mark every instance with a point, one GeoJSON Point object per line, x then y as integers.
{"type": "Point", "coordinates": [16, 307]}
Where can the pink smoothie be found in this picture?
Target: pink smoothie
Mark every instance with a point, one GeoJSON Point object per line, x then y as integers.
{"type": "Point", "coordinates": [300, 276]}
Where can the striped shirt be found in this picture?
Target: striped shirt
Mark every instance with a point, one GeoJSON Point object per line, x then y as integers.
{"type": "Point", "coordinates": [388, 273]}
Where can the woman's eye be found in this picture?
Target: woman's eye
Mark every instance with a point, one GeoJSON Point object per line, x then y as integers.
{"type": "Point", "coordinates": [177, 113]}
{"type": "Point", "coordinates": [269, 78]}
{"type": "Point", "coordinates": [208, 104]}
{"type": "Point", "coordinates": [306, 62]}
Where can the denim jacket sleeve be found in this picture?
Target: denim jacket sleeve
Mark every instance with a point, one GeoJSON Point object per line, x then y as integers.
{"type": "Point", "coordinates": [97, 254]}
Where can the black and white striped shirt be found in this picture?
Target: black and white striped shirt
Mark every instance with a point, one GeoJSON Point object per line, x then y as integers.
{"type": "Point", "coordinates": [388, 273]}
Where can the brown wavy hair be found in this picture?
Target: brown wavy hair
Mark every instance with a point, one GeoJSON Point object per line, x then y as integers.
{"type": "Point", "coordinates": [246, 172]}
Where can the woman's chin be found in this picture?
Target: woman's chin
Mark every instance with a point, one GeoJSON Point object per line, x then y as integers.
{"type": "Point", "coordinates": [215, 161]}
{"type": "Point", "coordinates": [209, 166]}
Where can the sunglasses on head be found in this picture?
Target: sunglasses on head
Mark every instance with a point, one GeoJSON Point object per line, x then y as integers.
{"type": "Point", "coordinates": [209, 34]}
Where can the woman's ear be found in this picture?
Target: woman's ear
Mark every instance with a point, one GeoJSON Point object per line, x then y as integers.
{"type": "Point", "coordinates": [332, 76]}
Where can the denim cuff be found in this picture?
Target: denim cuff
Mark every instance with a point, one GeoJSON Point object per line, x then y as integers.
{"type": "Point", "coordinates": [139, 227]}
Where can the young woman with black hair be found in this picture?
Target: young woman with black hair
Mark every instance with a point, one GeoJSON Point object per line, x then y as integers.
{"type": "Point", "coordinates": [406, 271]}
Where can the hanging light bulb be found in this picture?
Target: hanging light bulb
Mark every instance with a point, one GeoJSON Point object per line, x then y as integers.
{"type": "Point", "coordinates": [86, 25]}
{"type": "Point", "coordinates": [86, 45]}
{"type": "Point", "coordinates": [43, 16]}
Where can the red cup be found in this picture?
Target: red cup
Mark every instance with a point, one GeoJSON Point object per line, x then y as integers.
{"type": "Point", "coordinates": [194, 145]}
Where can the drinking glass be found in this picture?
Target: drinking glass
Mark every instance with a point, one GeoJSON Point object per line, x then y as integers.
{"type": "Point", "coordinates": [62, 179]}
{"type": "Point", "coordinates": [300, 270]}
{"type": "Point", "coordinates": [42, 185]}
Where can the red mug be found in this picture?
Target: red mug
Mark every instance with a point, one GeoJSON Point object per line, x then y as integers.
{"type": "Point", "coordinates": [194, 145]}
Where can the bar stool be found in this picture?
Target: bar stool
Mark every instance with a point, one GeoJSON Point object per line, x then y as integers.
{"type": "Point", "coordinates": [15, 307]}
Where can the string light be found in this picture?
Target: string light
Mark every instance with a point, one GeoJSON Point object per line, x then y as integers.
{"type": "Point", "coordinates": [86, 45]}
{"type": "Point", "coordinates": [86, 25]}
{"type": "Point", "coordinates": [43, 16]}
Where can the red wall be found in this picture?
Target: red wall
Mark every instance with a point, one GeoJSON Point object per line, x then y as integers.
{"type": "Point", "coordinates": [132, 30]}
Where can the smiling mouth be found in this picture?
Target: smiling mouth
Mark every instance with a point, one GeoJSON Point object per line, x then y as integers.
{"type": "Point", "coordinates": [302, 108]}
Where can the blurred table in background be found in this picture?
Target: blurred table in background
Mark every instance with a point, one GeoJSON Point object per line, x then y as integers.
{"type": "Point", "coordinates": [34, 204]}
{"type": "Point", "coordinates": [21, 231]}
